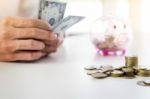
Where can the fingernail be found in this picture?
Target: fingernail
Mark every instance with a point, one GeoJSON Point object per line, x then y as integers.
{"type": "Point", "coordinates": [53, 36]}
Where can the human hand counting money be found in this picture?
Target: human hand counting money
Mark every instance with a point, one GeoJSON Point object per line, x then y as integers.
{"type": "Point", "coordinates": [23, 39]}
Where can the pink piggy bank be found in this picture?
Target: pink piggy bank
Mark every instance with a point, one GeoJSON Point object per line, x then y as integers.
{"type": "Point", "coordinates": [111, 36]}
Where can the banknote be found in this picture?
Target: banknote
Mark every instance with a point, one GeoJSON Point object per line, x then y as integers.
{"type": "Point", "coordinates": [51, 11]}
{"type": "Point", "coordinates": [66, 23]}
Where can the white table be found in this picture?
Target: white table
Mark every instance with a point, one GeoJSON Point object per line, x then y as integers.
{"type": "Point", "coordinates": [61, 76]}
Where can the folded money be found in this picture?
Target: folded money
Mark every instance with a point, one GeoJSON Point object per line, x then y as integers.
{"type": "Point", "coordinates": [53, 12]}
{"type": "Point", "coordinates": [66, 23]}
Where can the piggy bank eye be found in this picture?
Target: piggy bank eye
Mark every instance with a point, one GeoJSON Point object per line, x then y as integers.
{"type": "Point", "coordinates": [124, 26]}
{"type": "Point", "coordinates": [115, 26]}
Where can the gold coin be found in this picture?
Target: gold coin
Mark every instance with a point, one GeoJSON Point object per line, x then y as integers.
{"type": "Point", "coordinates": [117, 73]}
{"type": "Point", "coordinates": [129, 76]}
{"type": "Point", "coordinates": [129, 72]}
{"type": "Point", "coordinates": [143, 72]}
{"type": "Point", "coordinates": [131, 61]}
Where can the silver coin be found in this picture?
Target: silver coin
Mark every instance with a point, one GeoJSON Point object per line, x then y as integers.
{"type": "Point", "coordinates": [105, 66]}
{"type": "Point", "coordinates": [90, 72]}
{"type": "Point", "coordinates": [142, 83]}
{"type": "Point", "coordinates": [99, 75]}
{"type": "Point", "coordinates": [147, 82]}
{"type": "Point", "coordinates": [90, 68]}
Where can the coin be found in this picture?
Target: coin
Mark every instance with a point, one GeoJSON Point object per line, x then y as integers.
{"type": "Point", "coordinates": [117, 73]}
{"type": "Point", "coordinates": [136, 70]}
{"type": "Point", "coordinates": [128, 71]}
{"type": "Point", "coordinates": [143, 72]}
{"type": "Point", "coordinates": [129, 77]}
{"type": "Point", "coordinates": [106, 69]}
{"type": "Point", "coordinates": [105, 66]}
{"type": "Point", "coordinates": [108, 73]}
{"type": "Point", "coordinates": [131, 61]}
{"type": "Point", "coordinates": [89, 72]}
{"type": "Point", "coordinates": [99, 75]}
{"type": "Point", "coordinates": [142, 83]}
{"type": "Point", "coordinates": [90, 68]}
{"type": "Point", "coordinates": [120, 68]}
{"type": "Point", "coordinates": [147, 82]}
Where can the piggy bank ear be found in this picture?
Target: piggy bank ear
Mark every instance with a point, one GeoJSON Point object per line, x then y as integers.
{"type": "Point", "coordinates": [112, 26]}
{"type": "Point", "coordinates": [127, 25]}
{"type": "Point", "coordinates": [127, 28]}
{"type": "Point", "coordinates": [126, 22]}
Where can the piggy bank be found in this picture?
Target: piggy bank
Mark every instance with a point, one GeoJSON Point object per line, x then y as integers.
{"type": "Point", "coordinates": [111, 36]}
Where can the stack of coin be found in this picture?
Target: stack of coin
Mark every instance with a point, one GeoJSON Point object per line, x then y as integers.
{"type": "Point", "coordinates": [129, 72]}
{"type": "Point", "coordinates": [131, 61]}
{"type": "Point", "coordinates": [143, 72]}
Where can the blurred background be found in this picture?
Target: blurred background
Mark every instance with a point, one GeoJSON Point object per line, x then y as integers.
{"type": "Point", "coordinates": [135, 11]}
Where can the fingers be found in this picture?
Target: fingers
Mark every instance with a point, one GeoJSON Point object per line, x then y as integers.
{"type": "Point", "coordinates": [49, 49]}
{"type": "Point", "coordinates": [25, 23]}
{"type": "Point", "coordinates": [22, 56]}
{"type": "Point", "coordinates": [52, 42]}
{"type": "Point", "coordinates": [28, 45]}
{"type": "Point", "coordinates": [28, 33]}
{"type": "Point", "coordinates": [17, 45]}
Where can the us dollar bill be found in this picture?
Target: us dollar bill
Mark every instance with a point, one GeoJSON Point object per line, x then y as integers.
{"type": "Point", "coordinates": [66, 23]}
{"type": "Point", "coordinates": [51, 11]}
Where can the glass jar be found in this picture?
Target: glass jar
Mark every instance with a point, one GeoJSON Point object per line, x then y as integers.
{"type": "Point", "coordinates": [111, 36]}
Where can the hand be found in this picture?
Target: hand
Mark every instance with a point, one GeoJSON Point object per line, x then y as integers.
{"type": "Point", "coordinates": [24, 39]}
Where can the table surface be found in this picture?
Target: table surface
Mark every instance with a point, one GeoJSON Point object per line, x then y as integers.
{"type": "Point", "coordinates": [62, 75]}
